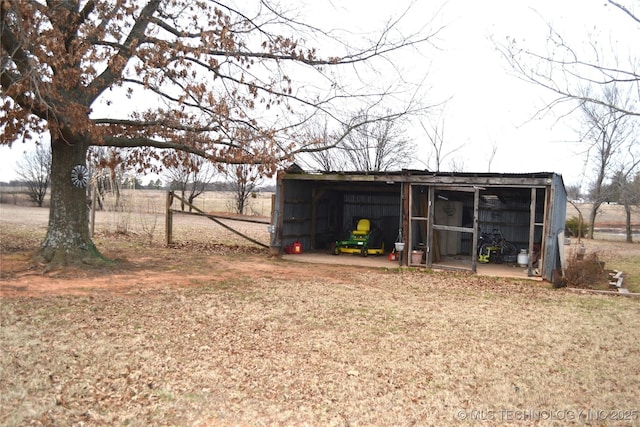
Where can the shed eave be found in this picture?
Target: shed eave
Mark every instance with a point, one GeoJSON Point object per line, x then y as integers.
{"type": "Point", "coordinates": [540, 180]}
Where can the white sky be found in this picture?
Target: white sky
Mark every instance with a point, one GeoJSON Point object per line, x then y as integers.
{"type": "Point", "coordinates": [488, 105]}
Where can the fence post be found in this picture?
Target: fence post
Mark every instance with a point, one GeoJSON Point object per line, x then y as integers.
{"type": "Point", "coordinates": [94, 200]}
{"type": "Point", "coordinates": [168, 225]}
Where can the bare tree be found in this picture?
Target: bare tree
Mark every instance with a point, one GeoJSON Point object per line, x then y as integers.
{"type": "Point", "coordinates": [190, 177]}
{"type": "Point", "coordinates": [574, 192]}
{"type": "Point", "coordinates": [34, 169]}
{"type": "Point", "coordinates": [565, 69]}
{"type": "Point", "coordinates": [492, 155]}
{"type": "Point", "coordinates": [594, 82]}
{"type": "Point", "coordinates": [328, 157]}
{"type": "Point", "coordinates": [243, 181]}
{"type": "Point", "coordinates": [438, 144]}
{"type": "Point", "coordinates": [456, 165]}
{"type": "Point", "coordinates": [211, 78]}
{"type": "Point", "coordinates": [367, 143]}
{"type": "Point", "coordinates": [609, 135]}
{"type": "Point", "coordinates": [625, 189]}
{"type": "Point", "coordinates": [376, 145]}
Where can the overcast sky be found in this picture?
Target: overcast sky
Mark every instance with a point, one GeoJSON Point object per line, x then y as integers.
{"type": "Point", "coordinates": [488, 106]}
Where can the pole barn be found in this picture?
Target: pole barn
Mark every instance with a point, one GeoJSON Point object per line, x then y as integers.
{"type": "Point", "coordinates": [440, 220]}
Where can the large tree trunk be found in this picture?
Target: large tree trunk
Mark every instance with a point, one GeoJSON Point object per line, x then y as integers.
{"type": "Point", "coordinates": [68, 240]}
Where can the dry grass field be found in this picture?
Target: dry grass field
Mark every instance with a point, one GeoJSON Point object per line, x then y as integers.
{"type": "Point", "coordinates": [214, 332]}
{"type": "Point", "coordinates": [155, 200]}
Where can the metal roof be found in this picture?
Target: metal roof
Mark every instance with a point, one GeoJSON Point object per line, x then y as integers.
{"type": "Point", "coordinates": [425, 176]}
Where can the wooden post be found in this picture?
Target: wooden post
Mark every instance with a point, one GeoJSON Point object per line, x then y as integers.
{"type": "Point", "coordinates": [532, 233]}
{"type": "Point", "coordinates": [405, 213]}
{"type": "Point", "coordinates": [476, 219]}
{"type": "Point", "coordinates": [273, 208]}
{"type": "Point", "coordinates": [93, 208]}
{"type": "Point", "coordinates": [168, 226]}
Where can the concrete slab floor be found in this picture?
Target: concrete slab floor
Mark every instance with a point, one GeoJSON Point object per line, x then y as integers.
{"type": "Point", "coordinates": [382, 261]}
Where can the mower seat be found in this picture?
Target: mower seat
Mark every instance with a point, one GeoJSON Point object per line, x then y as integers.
{"type": "Point", "coordinates": [363, 240]}
{"type": "Point", "coordinates": [363, 228]}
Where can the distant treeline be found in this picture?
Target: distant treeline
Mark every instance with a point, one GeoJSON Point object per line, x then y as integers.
{"type": "Point", "coordinates": [156, 185]}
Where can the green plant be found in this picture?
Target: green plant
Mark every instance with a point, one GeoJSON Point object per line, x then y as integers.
{"type": "Point", "coordinates": [576, 227]}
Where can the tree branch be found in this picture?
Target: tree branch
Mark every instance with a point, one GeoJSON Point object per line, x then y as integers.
{"type": "Point", "coordinates": [625, 10]}
{"type": "Point", "coordinates": [113, 71]}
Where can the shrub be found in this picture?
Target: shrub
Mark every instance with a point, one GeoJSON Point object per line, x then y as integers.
{"type": "Point", "coordinates": [586, 272]}
{"type": "Point", "coordinates": [576, 227]}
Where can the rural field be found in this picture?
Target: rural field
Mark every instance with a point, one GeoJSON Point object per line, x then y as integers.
{"type": "Point", "coordinates": [213, 331]}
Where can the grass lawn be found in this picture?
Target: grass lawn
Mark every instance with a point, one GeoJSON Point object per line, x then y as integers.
{"type": "Point", "coordinates": [199, 335]}
{"type": "Point", "coordinates": [619, 256]}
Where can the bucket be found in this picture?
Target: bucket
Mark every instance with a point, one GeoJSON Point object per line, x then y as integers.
{"type": "Point", "coordinates": [523, 258]}
{"type": "Point", "coordinates": [416, 257]}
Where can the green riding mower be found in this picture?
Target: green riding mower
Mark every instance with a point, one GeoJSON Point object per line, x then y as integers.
{"type": "Point", "coordinates": [363, 241]}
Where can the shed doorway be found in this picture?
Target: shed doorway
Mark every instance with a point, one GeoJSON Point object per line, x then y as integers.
{"type": "Point", "coordinates": [443, 227]}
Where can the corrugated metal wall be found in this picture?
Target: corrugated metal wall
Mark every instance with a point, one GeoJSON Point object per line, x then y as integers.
{"type": "Point", "coordinates": [336, 215]}
{"type": "Point", "coordinates": [296, 214]}
{"type": "Point", "coordinates": [556, 223]}
{"type": "Point", "coordinates": [510, 217]}
{"type": "Point", "coordinates": [383, 210]}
